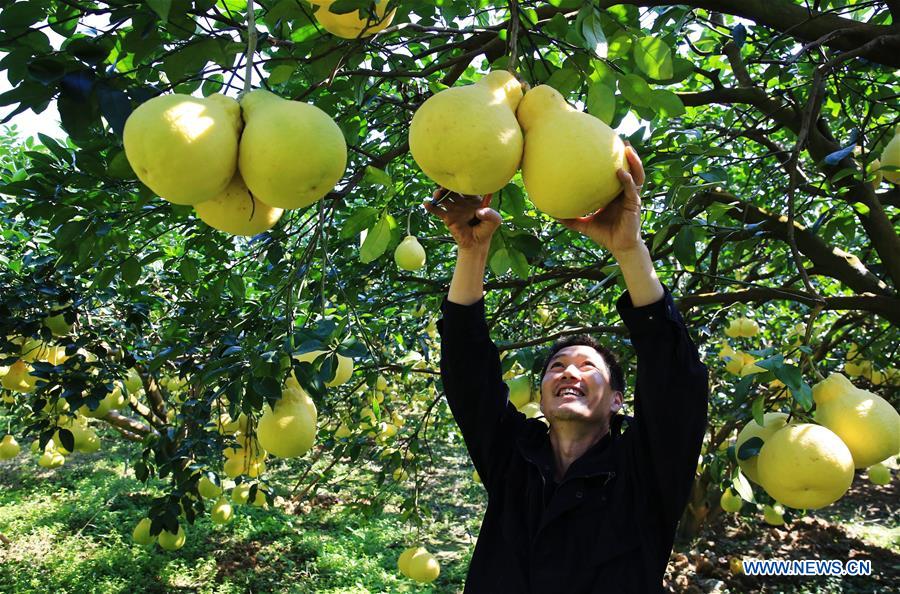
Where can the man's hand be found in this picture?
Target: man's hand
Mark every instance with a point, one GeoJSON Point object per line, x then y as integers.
{"type": "Point", "coordinates": [618, 226]}
{"type": "Point", "coordinates": [471, 222]}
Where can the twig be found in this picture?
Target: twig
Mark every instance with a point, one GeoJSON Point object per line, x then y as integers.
{"type": "Point", "coordinates": [513, 36]}
{"type": "Point", "coordinates": [251, 45]}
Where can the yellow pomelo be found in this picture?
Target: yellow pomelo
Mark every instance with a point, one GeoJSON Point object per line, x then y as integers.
{"type": "Point", "coordinates": [9, 448]}
{"type": "Point", "coordinates": [476, 477]}
{"type": "Point", "coordinates": [56, 322]}
{"type": "Point", "coordinates": [349, 25]}
{"type": "Point", "coordinates": [866, 422]}
{"type": "Point", "coordinates": [240, 494]}
{"type": "Point", "coordinates": [221, 512]}
{"type": "Point", "coordinates": [873, 169]}
{"type": "Point", "coordinates": [288, 430]}
{"type": "Point", "coordinates": [773, 515]}
{"type": "Point", "coordinates": [805, 466]}
{"type": "Point", "coordinates": [403, 561]}
{"type": "Point", "coordinates": [879, 474]}
{"type": "Point", "coordinates": [344, 367]}
{"type": "Point", "coordinates": [749, 366]}
{"type": "Point", "coordinates": [291, 153]}
{"type": "Point", "coordinates": [519, 391]}
{"type": "Point", "coordinates": [467, 139]}
{"type": "Point", "coordinates": [184, 148]}
{"type": "Point", "coordinates": [141, 533]}
{"type": "Point", "coordinates": [18, 378]}
{"type": "Point", "coordinates": [248, 458]}
{"type": "Point", "coordinates": [731, 501]}
{"type": "Point", "coordinates": [532, 410]}
{"type": "Point", "coordinates": [736, 566]}
{"type": "Point", "coordinates": [88, 442]}
{"type": "Point", "coordinates": [103, 407]}
{"type": "Point", "coordinates": [114, 400]}
{"type": "Point", "coordinates": [342, 432]}
{"type": "Point", "coordinates": [35, 349]}
{"type": "Point", "coordinates": [227, 426]}
{"type": "Point", "coordinates": [422, 566]}
{"type": "Point", "coordinates": [410, 255]}
{"type": "Point", "coordinates": [742, 327]}
{"type": "Point", "coordinates": [260, 499]}
{"type": "Point", "coordinates": [236, 211]}
{"type": "Point", "coordinates": [172, 542]}
{"type": "Point", "coordinates": [207, 488]}
{"type": "Point", "coordinates": [890, 157]}
{"type": "Point", "coordinates": [133, 382]}
{"type": "Point", "coordinates": [51, 459]}
{"type": "Point", "coordinates": [570, 159]}
{"type": "Point", "coordinates": [772, 422]}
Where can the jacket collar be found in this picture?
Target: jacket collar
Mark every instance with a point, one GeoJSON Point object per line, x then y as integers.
{"type": "Point", "coordinates": [534, 445]}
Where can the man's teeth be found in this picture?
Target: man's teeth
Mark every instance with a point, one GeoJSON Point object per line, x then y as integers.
{"type": "Point", "coordinates": [570, 391]}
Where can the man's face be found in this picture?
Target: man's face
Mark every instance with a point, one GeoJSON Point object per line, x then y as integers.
{"type": "Point", "coordinates": [576, 387]}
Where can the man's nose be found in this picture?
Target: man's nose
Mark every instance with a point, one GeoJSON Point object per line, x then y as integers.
{"type": "Point", "coordinates": [572, 370]}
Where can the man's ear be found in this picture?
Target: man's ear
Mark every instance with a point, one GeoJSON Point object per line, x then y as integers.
{"type": "Point", "coordinates": [618, 399]}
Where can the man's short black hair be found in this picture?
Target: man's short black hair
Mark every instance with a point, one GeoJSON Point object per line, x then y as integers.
{"type": "Point", "coordinates": [616, 374]}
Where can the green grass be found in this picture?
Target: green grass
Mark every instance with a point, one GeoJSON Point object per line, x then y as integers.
{"type": "Point", "coordinates": [71, 532]}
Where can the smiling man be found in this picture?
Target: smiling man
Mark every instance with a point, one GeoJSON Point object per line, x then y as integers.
{"type": "Point", "coordinates": [590, 503]}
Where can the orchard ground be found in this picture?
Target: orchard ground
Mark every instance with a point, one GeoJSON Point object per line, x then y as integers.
{"type": "Point", "coordinates": [69, 531]}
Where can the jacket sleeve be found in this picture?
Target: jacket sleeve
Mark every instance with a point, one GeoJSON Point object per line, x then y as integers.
{"type": "Point", "coordinates": [670, 402]}
{"type": "Point", "coordinates": [473, 383]}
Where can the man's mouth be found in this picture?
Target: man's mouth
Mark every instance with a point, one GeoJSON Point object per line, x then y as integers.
{"type": "Point", "coordinates": [568, 391]}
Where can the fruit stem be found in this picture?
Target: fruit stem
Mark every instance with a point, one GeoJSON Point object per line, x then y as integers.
{"type": "Point", "coordinates": [408, 218]}
{"type": "Point", "coordinates": [251, 44]}
{"type": "Point", "coordinates": [513, 36]}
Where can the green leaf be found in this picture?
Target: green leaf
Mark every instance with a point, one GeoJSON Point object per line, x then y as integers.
{"type": "Point", "coordinates": [188, 270]}
{"type": "Point", "coordinates": [46, 70]}
{"type": "Point", "coordinates": [236, 284]}
{"type": "Point", "coordinates": [565, 80]}
{"type": "Point", "coordinates": [103, 278]}
{"type": "Point", "coordinates": [636, 90]}
{"type": "Point", "coordinates": [212, 84]}
{"type": "Point", "coordinates": [281, 74]}
{"type": "Point", "coordinates": [594, 38]}
{"type": "Point", "coordinates": [500, 261]}
{"type": "Point", "coordinates": [518, 263]}
{"type": "Point", "coordinates": [601, 102]}
{"type": "Point", "coordinates": [348, 6]}
{"type": "Point", "coordinates": [666, 103]}
{"type": "Point", "coordinates": [377, 240]}
{"type": "Point", "coordinates": [758, 409]}
{"type": "Point", "coordinates": [18, 16]}
{"type": "Point", "coordinates": [131, 271]}
{"type": "Point", "coordinates": [750, 448]}
{"type": "Point", "coordinates": [619, 45]}
{"type": "Point", "coordinates": [362, 218]}
{"type": "Point", "coordinates": [161, 8]}
{"type": "Point", "coordinates": [685, 247]}
{"type": "Point", "coordinates": [740, 484]}
{"type": "Point", "coordinates": [65, 20]}
{"type": "Point", "coordinates": [803, 396]}
{"type": "Point", "coordinates": [654, 57]}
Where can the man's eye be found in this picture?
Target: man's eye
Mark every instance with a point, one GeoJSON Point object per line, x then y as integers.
{"type": "Point", "coordinates": [556, 364]}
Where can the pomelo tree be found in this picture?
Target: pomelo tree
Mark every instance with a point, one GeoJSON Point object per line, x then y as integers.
{"type": "Point", "coordinates": [759, 125]}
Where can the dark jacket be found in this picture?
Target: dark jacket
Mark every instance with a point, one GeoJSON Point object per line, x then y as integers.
{"type": "Point", "coordinates": [610, 523]}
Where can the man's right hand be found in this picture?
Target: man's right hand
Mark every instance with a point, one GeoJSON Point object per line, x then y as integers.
{"type": "Point", "coordinates": [470, 222]}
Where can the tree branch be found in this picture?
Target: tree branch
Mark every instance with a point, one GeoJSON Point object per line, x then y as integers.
{"type": "Point", "coordinates": [886, 307]}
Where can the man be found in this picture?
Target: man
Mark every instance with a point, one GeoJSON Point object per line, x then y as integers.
{"type": "Point", "coordinates": [590, 504]}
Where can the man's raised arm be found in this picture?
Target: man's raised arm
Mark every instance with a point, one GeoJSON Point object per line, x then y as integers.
{"type": "Point", "coordinates": [470, 364]}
